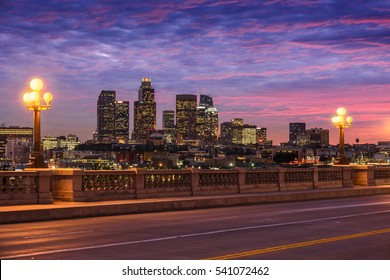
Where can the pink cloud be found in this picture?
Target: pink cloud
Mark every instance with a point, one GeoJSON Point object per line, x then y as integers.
{"type": "Point", "coordinates": [352, 21]}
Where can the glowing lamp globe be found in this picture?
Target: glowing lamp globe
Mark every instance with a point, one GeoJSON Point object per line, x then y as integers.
{"type": "Point", "coordinates": [26, 97]}
{"type": "Point", "coordinates": [36, 84]}
{"type": "Point", "coordinates": [34, 96]}
{"type": "Point", "coordinates": [349, 120]}
{"type": "Point", "coordinates": [341, 111]}
{"type": "Point", "coordinates": [48, 97]}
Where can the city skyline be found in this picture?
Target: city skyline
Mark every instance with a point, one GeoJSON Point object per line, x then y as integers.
{"type": "Point", "coordinates": [270, 63]}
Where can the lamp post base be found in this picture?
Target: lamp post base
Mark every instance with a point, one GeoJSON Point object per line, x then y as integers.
{"type": "Point", "coordinates": [37, 160]}
{"type": "Point", "coordinates": [341, 160]}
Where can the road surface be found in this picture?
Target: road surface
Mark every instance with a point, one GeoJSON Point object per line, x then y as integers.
{"type": "Point", "coordinates": [348, 229]}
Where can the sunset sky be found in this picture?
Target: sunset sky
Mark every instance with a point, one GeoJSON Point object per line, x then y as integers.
{"type": "Point", "coordinates": [268, 62]}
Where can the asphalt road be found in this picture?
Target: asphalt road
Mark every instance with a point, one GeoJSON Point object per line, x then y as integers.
{"type": "Point", "coordinates": [347, 229]}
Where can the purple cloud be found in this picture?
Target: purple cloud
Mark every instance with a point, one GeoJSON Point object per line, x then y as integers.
{"type": "Point", "coordinates": [270, 62]}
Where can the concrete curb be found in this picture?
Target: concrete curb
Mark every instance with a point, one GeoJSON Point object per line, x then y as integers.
{"type": "Point", "coordinates": [72, 210]}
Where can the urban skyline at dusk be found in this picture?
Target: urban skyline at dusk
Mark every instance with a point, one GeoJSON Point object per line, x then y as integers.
{"type": "Point", "coordinates": [268, 62]}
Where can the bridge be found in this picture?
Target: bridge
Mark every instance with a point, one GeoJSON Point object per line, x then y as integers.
{"type": "Point", "coordinates": [186, 188]}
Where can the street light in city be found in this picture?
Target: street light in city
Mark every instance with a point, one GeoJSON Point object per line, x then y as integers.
{"type": "Point", "coordinates": [341, 121]}
{"type": "Point", "coordinates": [33, 101]}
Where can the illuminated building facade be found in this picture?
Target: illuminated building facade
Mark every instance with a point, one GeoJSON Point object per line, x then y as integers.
{"type": "Point", "coordinates": [186, 114]}
{"type": "Point", "coordinates": [314, 137]}
{"type": "Point", "coordinates": [207, 120]}
{"type": "Point", "coordinates": [13, 132]}
{"type": "Point", "coordinates": [122, 121]}
{"type": "Point", "coordinates": [261, 135]}
{"type": "Point", "coordinates": [201, 123]}
{"type": "Point", "coordinates": [294, 130]}
{"type": "Point", "coordinates": [61, 142]}
{"type": "Point", "coordinates": [211, 124]}
{"type": "Point", "coordinates": [112, 118]}
{"type": "Point", "coordinates": [144, 111]}
{"type": "Point", "coordinates": [168, 123]}
{"type": "Point", "coordinates": [18, 149]}
{"type": "Point", "coordinates": [236, 132]}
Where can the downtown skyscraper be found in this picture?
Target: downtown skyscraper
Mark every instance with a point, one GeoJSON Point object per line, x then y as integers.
{"type": "Point", "coordinates": [186, 114]}
{"type": "Point", "coordinates": [295, 129]}
{"type": "Point", "coordinates": [144, 111]}
{"type": "Point", "coordinates": [112, 118]}
{"type": "Point", "coordinates": [207, 120]}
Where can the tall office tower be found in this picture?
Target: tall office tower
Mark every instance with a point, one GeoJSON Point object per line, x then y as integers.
{"type": "Point", "coordinates": [106, 115]}
{"type": "Point", "coordinates": [226, 133]}
{"type": "Point", "coordinates": [112, 118]}
{"type": "Point", "coordinates": [168, 123]}
{"type": "Point", "coordinates": [261, 135]}
{"type": "Point", "coordinates": [186, 116]}
{"type": "Point", "coordinates": [168, 120]}
{"type": "Point", "coordinates": [122, 120]}
{"type": "Point", "coordinates": [295, 129]}
{"type": "Point", "coordinates": [207, 120]}
{"type": "Point", "coordinates": [211, 124]}
{"type": "Point", "coordinates": [144, 111]}
{"type": "Point", "coordinates": [201, 123]}
{"type": "Point", "coordinates": [206, 101]}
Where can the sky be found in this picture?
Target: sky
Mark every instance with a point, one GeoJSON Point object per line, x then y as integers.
{"type": "Point", "coordinates": [268, 62]}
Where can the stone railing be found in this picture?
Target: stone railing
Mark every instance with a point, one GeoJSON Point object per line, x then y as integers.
{"type": "Point", "coordinates": [382, 176]}
{"type": "Point", "coordinates": [44, 185]}
{"type": "Point", "coordinates": [92, 185]}
{"type": "Point", "coordinates": [163, 183]}
{"type": "Point", "coordinates": [25, 187]}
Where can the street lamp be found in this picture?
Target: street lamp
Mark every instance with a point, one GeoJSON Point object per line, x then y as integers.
{"type": "Point", "coordinates": [32, 101]}
{"type": "Point", "coordinates": [341, 121]}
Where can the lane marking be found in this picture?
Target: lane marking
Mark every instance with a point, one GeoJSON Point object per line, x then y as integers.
{"type": "Point", "coordinates": [300, 244]}
{"type": "Point", "coordinates": [190, 235]}
{"type": "Point", "coordinates": [56, 234]}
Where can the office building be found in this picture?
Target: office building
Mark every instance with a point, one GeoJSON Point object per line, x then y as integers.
{"type": "Point", "coordinates": [186, 114]}
{"type": "Point", "coordinates": [168, 123]}
{"type": "Point", "coordinates": [13, 132]}
{"type": "Point", "coordinates": [61, 142]}
{"type": "Point", "coordinates": [18, 149]}
{"type": "Point", "coordinates": [144, 111]}
{"type": "Point", "coordinates": [238, 133]}
{"type": "Point", "coordinates": [112, 118]}
{"type": "Point", "coordinates": [201, 123]}
{"type": "Point", "coordinates": [211, 124]}
{"type": "Point", "coordinates": [122, 121]}
{"type": "Point", "coordinates": [106, 115]}
{"type": "Point", "coordinates": [295, 129]}
{"type": "Point", "coordinates": [313, 137]}
{"type": "Point", "coordinates": [226, 133]}
{"type": "Point", "coordinates": [206, 101]}
{"type": "Point", "coordinates": [207, 120]}
{"type": "Point", "coordinates": [261, 135]}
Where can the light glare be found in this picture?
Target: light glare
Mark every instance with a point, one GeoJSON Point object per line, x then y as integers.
{"type": "Point", "coordinates": [341, 111]}
{"type": "Point", "coordinates": [36, 84]}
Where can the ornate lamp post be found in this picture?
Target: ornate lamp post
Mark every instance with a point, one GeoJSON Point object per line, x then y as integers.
{"type": "Point", "coordinates": [341, 121]}
{"type": "Point", "coordinates": [33, 102]}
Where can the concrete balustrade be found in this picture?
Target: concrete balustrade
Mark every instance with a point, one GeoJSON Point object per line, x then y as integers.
{"type": "Point", "coordinates": [25, 187]}
{"type": "Point", "coordinates": [43, 185]}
